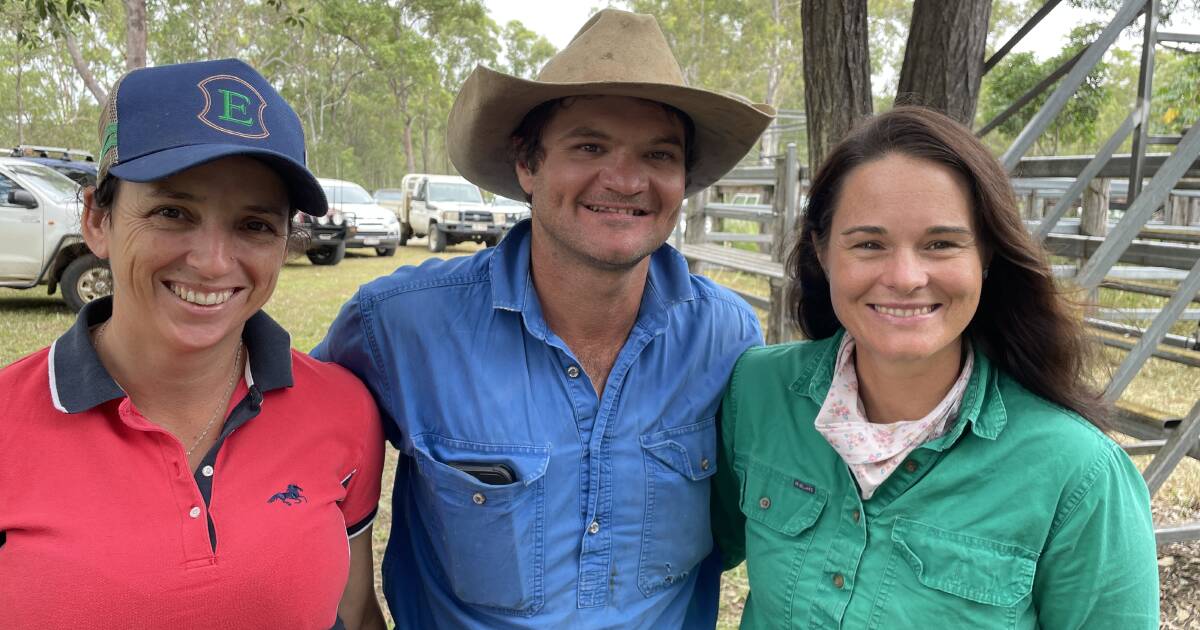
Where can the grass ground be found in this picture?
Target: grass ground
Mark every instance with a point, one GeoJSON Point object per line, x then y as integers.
{"type": "Point", "coordinates": [308, 298]}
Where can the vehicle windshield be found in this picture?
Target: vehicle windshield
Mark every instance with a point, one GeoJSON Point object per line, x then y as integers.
{"type": "Point", "coordinates": [47, 181]}
{"type": "Point", "coordinates": [505, 201]}
{"type": "Point", "coordinates": [389, 195]}
{"type": "Point", "coordinates": [454, 192]}
{"type": "Point", "coordinates": [347, 193]}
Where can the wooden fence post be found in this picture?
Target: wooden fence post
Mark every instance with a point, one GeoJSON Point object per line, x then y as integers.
{"type": "Point", "coordinates": [1177, 210]}
{"type": "Point", "coordinates": [1094, 217]}
{"type": "Point", "coordinates": [693, 230]}
{"type": "Point", "coordinates": [785, 201]}
{"type": "Point", "coordinates": [1194, 212]}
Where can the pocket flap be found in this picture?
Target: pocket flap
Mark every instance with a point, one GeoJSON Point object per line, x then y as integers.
{"type": "Point", "coordinates": [689, 450]}
{"type": "Point", "coordinates": [781, 502]}
{"type": "Point", "coordinates": [435, 453]}
{"type": "Point", "coordinates": [977, 569]}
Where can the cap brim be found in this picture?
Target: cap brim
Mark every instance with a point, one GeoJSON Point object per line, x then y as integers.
{"type": "Point", "coordinates": [491, 104]}
{"type": "Point", "coordinates": [304, 193]}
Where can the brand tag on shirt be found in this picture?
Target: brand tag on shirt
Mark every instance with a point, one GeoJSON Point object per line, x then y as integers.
{"type": "Point", "coordinates": [800, 485]}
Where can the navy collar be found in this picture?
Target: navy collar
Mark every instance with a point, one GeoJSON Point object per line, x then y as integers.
{"type": "Point", "coordinates": [78, 380]}
{"type": "Point", "coordinates": [668, 282]}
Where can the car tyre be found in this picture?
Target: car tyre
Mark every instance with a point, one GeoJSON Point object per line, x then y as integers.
{"type": "Point", "coordinates": [385, 251]}
{"type": "Point", "coordinates": [85, 279]}
{"type": "Point", "coordinates": [491, 241]}
{"type": "Point", "coordinates": [329, 255]}
{"type": "Point", "coordinates": [406, 232]}
{"type": "Point", "coordinates": [437, 239]}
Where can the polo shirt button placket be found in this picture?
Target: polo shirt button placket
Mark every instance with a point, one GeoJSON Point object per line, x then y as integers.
{"type": "Point", "coordinates": [207, 471]}
{"type": "Point", "coordinates": [194, 512]}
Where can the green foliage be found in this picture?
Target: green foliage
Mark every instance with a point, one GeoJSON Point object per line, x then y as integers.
{"type": "Point", "coordinates": [525, 50]}
{"type": "Point", "coordinates": [1176, 102]}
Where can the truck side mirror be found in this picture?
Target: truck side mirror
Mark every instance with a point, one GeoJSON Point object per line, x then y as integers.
{"type": "Point", "coordinates": [22, 198]}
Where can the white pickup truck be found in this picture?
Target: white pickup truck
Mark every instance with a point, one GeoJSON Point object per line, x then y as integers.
{"type": "Point", "coordinates": [40, 243]}
{"type": "Point", "coordinates": [451, 210]}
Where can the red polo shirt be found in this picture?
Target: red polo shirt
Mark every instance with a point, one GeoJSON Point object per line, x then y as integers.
{"type": "Point", "coordinates": [102, 524]}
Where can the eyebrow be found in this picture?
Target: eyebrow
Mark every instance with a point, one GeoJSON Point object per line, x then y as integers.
{"type": "Point", "coordinates": [937, 229]}
{"type": "Point", "coordinates": [589, 132]}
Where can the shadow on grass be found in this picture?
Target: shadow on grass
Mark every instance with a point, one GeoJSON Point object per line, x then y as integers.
{"type": "Point", "coordinates": [33, 306]}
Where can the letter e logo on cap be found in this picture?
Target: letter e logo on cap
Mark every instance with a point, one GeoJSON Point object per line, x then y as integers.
{"type": "Point", "coordinates": [233, 106]}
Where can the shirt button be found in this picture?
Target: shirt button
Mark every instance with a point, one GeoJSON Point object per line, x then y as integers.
{"type": "Point", "coordinates": [855, 515]}
{"type": "Point", "coordinates": [910, 466]}
{"type": "Point", "coordinates": [704, 464]}
{"type": "Point", "coordinates": [838, 580]}
{"type": "Point", "coordinates": [194, 512]}
{"type": "Point", "coordinates": [594, 528]}
{"type": "Point", "coordinates": [764, 502]}
{"type": "Point", "coordinates": [207, 471]}
{"type": "Point", "coordinates": [478, 498]}
{"type": "Point", "coordinates": [573, 371]}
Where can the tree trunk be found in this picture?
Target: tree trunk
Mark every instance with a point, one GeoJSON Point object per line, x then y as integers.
{"type": "Point", "coordinates": [769, 143]}
{"type": "Point", "coordinates": [82, 68]}
{"type": "Point", "coordinates": [135, 34]}
{"type": "Point", "coordinates": [837, 71]}
{"type": "Point", "coordinates": [943, 60]}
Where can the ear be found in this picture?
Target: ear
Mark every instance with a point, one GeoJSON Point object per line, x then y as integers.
{"type": "Point", "coordinates": [525, 177]}
{"type": "Point", "coordinates": [95, 224]}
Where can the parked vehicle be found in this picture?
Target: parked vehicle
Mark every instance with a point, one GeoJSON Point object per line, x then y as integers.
{"type": "Point", "coordinates": [374, 225]}
{"type": "Point", "coordinates": [519, 208]}
{"type": "Point", "coordinates": [80, 166]}
{"type": "Point", "coordinates": [40, 242]}
{"type": "Point", "coordinates": [450, 210]}
{"type": "Point", "coordinates": [328, 233]}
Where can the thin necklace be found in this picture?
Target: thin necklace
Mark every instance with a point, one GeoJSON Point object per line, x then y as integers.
{"type": "Point", "coordinates": [237, 360]}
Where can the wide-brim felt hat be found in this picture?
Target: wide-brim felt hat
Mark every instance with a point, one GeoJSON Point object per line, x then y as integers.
{"type": "Point", "coordinates": [616, 53]}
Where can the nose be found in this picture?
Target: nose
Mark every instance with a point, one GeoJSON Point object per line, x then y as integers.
{"type": "Point", "coordinates": [212, 252]}
{"type": "Point", "coordinates": [624, 173]}
{"type": "Point", "coordinates": [905, 271]}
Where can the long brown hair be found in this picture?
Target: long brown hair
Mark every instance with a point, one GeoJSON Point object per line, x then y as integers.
{"type": "Point", "coordinates": [1023, 323]}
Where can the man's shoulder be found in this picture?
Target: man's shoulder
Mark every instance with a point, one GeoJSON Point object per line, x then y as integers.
{"type": "Point", "coordinates": [428, 279]}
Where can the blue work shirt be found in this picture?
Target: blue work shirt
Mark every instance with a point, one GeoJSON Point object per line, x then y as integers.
{"type": "Point", "coordinates": [605, 522]}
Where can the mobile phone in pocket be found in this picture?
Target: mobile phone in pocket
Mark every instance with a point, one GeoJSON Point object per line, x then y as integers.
{"type": "Point", "coordinates": [491, 474]}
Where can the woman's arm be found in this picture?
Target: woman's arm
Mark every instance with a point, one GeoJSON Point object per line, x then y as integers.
{"type": "Point", "coordinates": [1100, 567]}
{"type": "Point", "coordinates": [359, 609]}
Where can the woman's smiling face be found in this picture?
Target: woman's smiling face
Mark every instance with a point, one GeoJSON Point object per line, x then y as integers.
{"type": "Point", "coordinates": [904, 261]}
{"type": "Point", "coordinates": [194, 255]}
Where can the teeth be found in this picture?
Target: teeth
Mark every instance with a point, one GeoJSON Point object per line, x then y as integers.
{"type": "Point", "coordinates": [625, 211]}
{"type": "Point", "coordinates": [905, 312]}
{"type": "Point", "coordinates": [201, 298]}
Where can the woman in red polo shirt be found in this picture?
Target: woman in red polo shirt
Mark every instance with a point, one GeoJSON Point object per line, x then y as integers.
{"type": "Point", "coordinates": [170, 462]}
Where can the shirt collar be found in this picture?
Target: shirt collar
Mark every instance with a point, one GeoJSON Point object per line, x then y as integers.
{"type": "Point", "coordinates": [78, 380]}
{"type": "Point", "coordinates": [668, 282]}
{"type": "Point", "coordinates": [982, 406]}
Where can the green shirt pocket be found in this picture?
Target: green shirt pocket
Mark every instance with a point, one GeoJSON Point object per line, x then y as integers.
{"type": "Point", "coordinates": [973, 568]}
{"type": "Point", "coordinates": [781, 502]}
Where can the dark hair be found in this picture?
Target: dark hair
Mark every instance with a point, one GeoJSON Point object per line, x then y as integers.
{"type": "Point", "coordinates": [1023, 323]}
{"type": "Point", "coordinates": [105, 194]}
{"type": "Point", "coordinates": [527, 146]}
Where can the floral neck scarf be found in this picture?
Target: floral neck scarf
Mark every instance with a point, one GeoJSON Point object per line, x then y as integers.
{"type": "Point", "coordinates": [874, 450]}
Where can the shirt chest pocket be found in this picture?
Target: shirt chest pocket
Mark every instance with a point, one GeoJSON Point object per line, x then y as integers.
{"type": "Point", "coordinates": [488, 538]}
{"type": "Point", "coordinates": [676, 534]}
{"type": "Point", "coordinates": [947, 578]}
{"type": "Point", "coordinates": [781, 512]}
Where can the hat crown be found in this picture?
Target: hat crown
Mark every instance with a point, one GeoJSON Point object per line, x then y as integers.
{"type": "Point", "coordinates": [615, 46]}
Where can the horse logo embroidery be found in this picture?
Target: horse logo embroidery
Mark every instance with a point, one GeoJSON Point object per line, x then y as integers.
{"type": "Point", "coordinates": [288, 496]}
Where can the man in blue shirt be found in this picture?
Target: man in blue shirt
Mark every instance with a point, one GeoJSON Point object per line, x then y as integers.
{"type": "Point", "coordinates": [554, 398]}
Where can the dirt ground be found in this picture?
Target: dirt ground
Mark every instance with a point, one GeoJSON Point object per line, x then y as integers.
{"type": "Point", "coordinates": [1179, 575]}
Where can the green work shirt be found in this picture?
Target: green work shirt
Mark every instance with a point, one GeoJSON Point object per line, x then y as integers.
{"type": "Point", "coordinates": [1023, 515]}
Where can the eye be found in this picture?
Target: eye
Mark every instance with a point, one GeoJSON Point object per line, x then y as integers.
{"type": "Point", "coordinates": [663, 156]}
{"type": "Point", "coordinates": [168, 212]}
{"type": "Point", "coordinates": [254, 225]}
{"type": "Point", "coordinates": [869, 245]}
{"type": "Point", "coordinates": [942, 245]}
{"type": "Point", "coordinates": [589, 148]}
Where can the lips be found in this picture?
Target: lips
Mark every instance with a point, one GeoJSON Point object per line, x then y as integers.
{"type": "Point", "coordinates": [915, 311]}
{"type": "Point", "coordinates": [629, 212]}
{"type": "Point", "coordinates": [202, 298]}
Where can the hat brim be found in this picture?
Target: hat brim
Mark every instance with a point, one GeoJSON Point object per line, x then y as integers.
{"type": "Point", "coordinates": [304, 193]}
{"type": "Point", "coordinates": [491, 104]}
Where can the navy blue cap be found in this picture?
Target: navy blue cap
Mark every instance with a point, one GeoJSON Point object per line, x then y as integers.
{"type": "Point", "coordinates": [163, 120]}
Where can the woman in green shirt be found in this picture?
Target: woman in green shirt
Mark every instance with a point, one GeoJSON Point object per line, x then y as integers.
{"type": "Point", "coordinates": [930, 458]}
